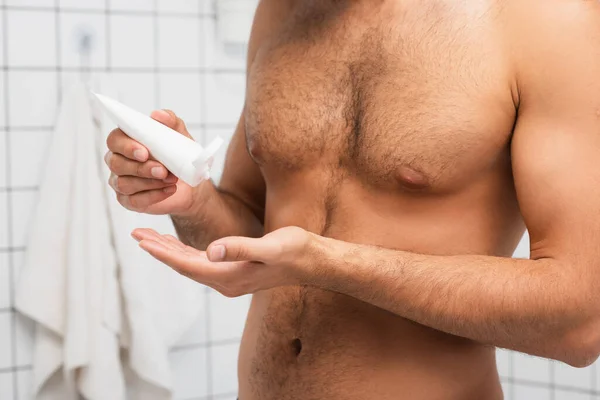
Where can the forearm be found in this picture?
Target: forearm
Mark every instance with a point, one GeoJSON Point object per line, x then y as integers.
{"type": "Point", "coordinates": [526, 305]}
{"type": "Point", "coordinates": [215, 214]}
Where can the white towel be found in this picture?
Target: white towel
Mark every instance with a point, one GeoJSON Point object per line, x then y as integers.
{"type": "Point", "coordinates": [86, 284]}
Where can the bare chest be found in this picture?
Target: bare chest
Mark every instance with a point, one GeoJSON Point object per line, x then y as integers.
{"type": "Point", "coordinates": [417, 96]}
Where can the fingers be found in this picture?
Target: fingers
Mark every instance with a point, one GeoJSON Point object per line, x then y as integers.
{"type": "Point", "coordinates": [167, 240]}
{"type": "Point", "coordinates": [188, 263]}
{"type": "Point", "coordinates": [174, 242]}
{"type": "Point", "coordinates": [129, 185]}
{"type": "Point", "coordinates": [195, 266]}
{"type": "Point", "coordinates": [243, 249]}
{"type": "Point", "coordinates": [118, 142]}
{"type": "Point", "coordinates": [232, 279]}
{"type": "Point", "coordinates": [175, 258]}
{"type": "Point", "coordinates": [141, 201]}
{"type": "Point", "coordinates": [170, 119]}
{"type": "Point", "coordinates": [121, 165]}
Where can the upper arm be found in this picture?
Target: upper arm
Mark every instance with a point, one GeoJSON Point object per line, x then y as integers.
{"type": "Point", "coordinates": [241, 176]}
{"type": "Point", "coordinates": [556, 142]}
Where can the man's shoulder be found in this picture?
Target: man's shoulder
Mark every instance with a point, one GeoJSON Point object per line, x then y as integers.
{"type": "Point", "coordinates": [548, 19]}
{"type": "Point", "coordinates": [548, 34]}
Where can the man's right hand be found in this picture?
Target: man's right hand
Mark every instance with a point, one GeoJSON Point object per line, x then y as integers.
{"type": "Point", "coordinates": [141, 183]}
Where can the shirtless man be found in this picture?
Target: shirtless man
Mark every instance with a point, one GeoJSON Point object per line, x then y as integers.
{"type": "Point", "coordinates": [388, 158]}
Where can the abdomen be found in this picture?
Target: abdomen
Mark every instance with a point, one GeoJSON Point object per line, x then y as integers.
{"type": "Point", "coordinates": [351, 349]}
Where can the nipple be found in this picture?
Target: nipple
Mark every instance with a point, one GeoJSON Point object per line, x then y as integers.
{"type": "Point", "coordinates": [411, 178]}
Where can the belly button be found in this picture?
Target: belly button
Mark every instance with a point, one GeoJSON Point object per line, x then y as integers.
{"type": "Point", "coordinates": [297, 346]}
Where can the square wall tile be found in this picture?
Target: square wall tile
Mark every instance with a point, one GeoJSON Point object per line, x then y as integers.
{"type": "Point", "coordinates": [32, 98]}
{"type": "Point", "coordinates": [181, 93]}
{"type": "Point", "coordinates": [215, 55]}
{"type": "Point", "coordinates": [523, 392]}
{"type": "Point", "coordinates": [219, 160]}
{"type": "Point", "coordinates": [571, 395]}
{"type": "Point", "coordinates": [2, 98]}
{"type": "Point", "coordinates": [531, 368]}
{"type": "Point", "coordinates": [227, 316]}
{"type": "Point", "coordinates": [136, 90]}
{"type": "Point", "coordinates": [3, 159]}
{"type": "Point", "coordinates": [581, 378]}
{"type": "Point", "coordinates": [83, 5]}
{"type": "Point", "coordinates": [522, 250]}
{"type": "Point", "coordinates": [5, 282]}
{"type": "Point", "coordinates": [5, 340]}
{"type": "Point", "coordinates": [225, 95]}
{"type": "Point", "coordinates": [197, 333]}
{"type": "Point", "coordinates": [224, 369]}
{"type": "Point", "coordinates": [179, 42]}
{"type": "Point", "coordinates": [18, 258]}
{"type": "Point", "coordinates": [131, 5]}
{"type": "Point", "coordinates": [131, 41]}
{"type": "Point", "coordinates": [4, 219]}
{"type": "Point", "coordinates": [507, 389]}
{"type": "Point", "coordinates": [227, 397]}
{"type": "Point", "coordinates": [23, 207]}
{"type": "Point", "coordinates": [196, 132]}
{"type": "Point", "coordinates": [30, 3]}
{"type": "Point", "coordinates": [29, 150]}
{"type": "Point", "coordinates": [74, 26]}
{"type": "Point", "coordinates": [25, 384]}
{"type": "Point", "coordinates": [2, 11]}
{"type": "Point", "coordinates": [207, 6]}
{"type": "Point", "coordinates": [24, 340]}
{"type": "Point", "coordinates": [180, 6]}
{"type": "Point", "coordinates": [95, 80]}
{"type": "Point", "coordinates": [17, 262]}
{"type": "Point", "coordinates": [6, 385]}
{"type": "Point", "coordinates": [31, 38]}
{"type": "Point", "coordinates": [189, 373]}
{"type": "Point", "coordinates": [503, 361]}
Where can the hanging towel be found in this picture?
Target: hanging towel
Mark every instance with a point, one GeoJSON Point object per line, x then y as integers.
{"type": "Point", "coordinates": [103, 309]}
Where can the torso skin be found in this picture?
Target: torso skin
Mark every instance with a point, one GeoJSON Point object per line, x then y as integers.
{"type": "Point", "coordinates": [385, 123]}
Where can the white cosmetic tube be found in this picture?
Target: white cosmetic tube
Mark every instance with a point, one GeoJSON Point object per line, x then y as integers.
{"type": "Point", "coordinates": [184, 157]}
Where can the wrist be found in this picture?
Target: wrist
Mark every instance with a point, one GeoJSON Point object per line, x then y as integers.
{"type": "Point", "coordinates": [318, 260]}
{"type": "Point", "coordinates": [192, 208]}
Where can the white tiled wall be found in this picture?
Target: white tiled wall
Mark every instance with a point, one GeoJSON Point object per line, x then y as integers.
{"type": "Point", "coordinates": [159, 53]}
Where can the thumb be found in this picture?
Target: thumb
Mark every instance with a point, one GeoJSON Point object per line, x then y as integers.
{"type": "Point", "coordinates": [170, 119]}
{"type": "Point", "coordinates": [237, 248]}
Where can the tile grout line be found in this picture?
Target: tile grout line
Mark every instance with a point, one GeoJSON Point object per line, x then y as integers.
{"type": "Point", "coordinates": [511, 369]}
{"type": "Point", "coordinates": [49, 128]}
{"type": "Point", "coordinates": [57, 49]}
{"type": "Point", "coordinates": [9, 216]}
{"type": "Point", "coordinates": [203, 80]}
{"type": "Point", "coordinates": [566, 388]}
{"type": "Point", "coordinates": [15, 189]}
{"type": "Point", "coordinates": [208, 348]}
{"type": "Point", "coordinates": [156, 70]}
{"type": "Point", "coordinates": [216, 397]}
{"type": "Point", "coordinates": [107, 44]}
{"type": "Point", "coordinates": [200, 345]}
{"type": "Point", "coordinates": [11, 249]}
{"type": "Point", "coordinates": [139, 13]}
{"type": "Point", "coordinates": [203, 140]}
{"type": "Point", "coordinates": [552, 382]}
{"type": "Point", "coordinates": [138, 70]}
{"type": "Point", "coordinates": [14, 369]}
{"type": "Point", "coordinates": [594, 380]}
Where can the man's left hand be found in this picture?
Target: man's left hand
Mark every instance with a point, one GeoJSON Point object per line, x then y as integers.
{"type": "Point", "coordinates": [237, 266]}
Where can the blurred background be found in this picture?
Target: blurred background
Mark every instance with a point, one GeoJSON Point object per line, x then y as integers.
{"type": "Point", "coordinates": [176, 54]}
